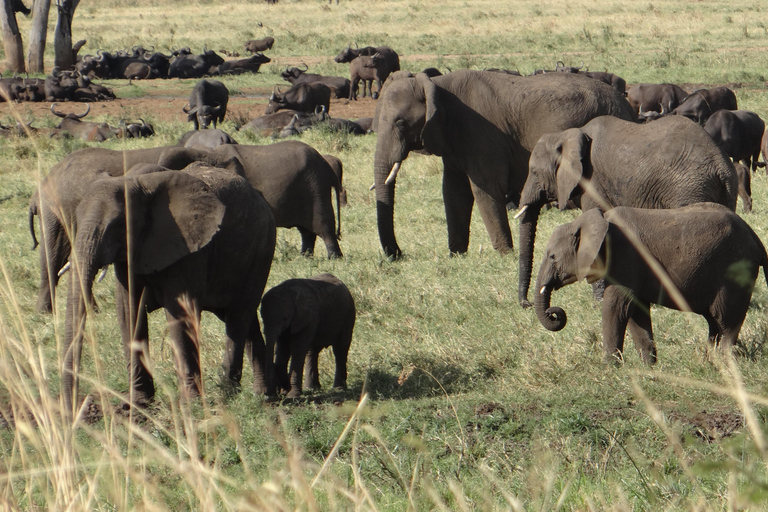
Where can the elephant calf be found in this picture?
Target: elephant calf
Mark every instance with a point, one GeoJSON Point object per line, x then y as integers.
{"type": "Point", "coordinates": [701, 258]}
{"type": "Point", "coordinates": [301, 318]}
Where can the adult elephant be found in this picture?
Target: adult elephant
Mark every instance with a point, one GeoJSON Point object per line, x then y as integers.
{"type": "Point", "coordinates": [739, 133]}
{"type": "Point", "coordinates": [484, 125]}
{"type": "Point", "coordinates": [610, 162]}
{"type": "Point", "coordinates": [61, 191]}
{"type": "Point", "coordinates": [200, 239]}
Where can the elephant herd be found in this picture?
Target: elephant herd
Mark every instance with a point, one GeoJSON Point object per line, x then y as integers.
{"type": "Point", "coordinates": [192, 229]}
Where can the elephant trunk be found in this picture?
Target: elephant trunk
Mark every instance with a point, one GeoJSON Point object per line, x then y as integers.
{"type": "Point", "coordinates": [527, 239]}
{"type": "Point", "coordinates": [552, 318]}
{"type": "Point", "coordinates": [385, 203]}
{"type": "Point", "coordinates": [83, 274]}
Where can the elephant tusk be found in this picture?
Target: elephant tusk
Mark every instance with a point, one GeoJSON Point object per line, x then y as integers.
{"type": "Point", "coordinates": [64, 269]}
{"type": "Point", "coordinates": [543, 289]}
{"type": "Point", "coordinates": [521, 212]}
{"type": "Point", "coordinates": [102, 275]}
{"type": "Point", "coordinates": [373, 186]}
{"type": "Point", "coordinates": [393, 173]}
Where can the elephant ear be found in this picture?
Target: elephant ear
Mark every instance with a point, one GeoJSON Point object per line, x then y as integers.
{"type": "Point", "coordinates": [592, 228]}
{"type": "Point", "coordinates": [181, 216]}
{"type": "Point", "coordinates": [433, 133]}
{"type": "Point", "coordinates": [573, 160]}
{"type": "Point", "coordinates": [307, 307]}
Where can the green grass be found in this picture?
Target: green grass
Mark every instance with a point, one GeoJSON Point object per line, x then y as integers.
{"type": "Point", "coordinates": [470, 404]}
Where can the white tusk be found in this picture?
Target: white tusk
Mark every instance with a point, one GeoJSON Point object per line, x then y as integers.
{"type": "Point", "coordinates": [543, 289]}
{"type": "Point", "coordinates": [64, 269]}
{"type": "Point", "coordinates": [102, 275]}
{"type": "Point", "coordinates": [521, 212]}
{"type": "Point", "coordinates": [393, 173]}
{"type": "Point", "coordinates": [373, 186]}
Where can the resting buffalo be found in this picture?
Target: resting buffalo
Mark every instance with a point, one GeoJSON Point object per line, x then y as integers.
{"type": "Point", "coordinates": [303, 97]}
{"type": "Point", "coordinates": [339, 85]}
{"type": "Point", "coordinates": [272, 124]}
{"type": "Point", "coordinates": [259, 45]}
{"type": "Point", "coordinates": [135, 130]}
{"type": "Point", "coordinates": [195, 66]}
{"type": "Point", "coordinates": [207, 103]}
{"type": "Point", "coordinates": [240, 66]}
{"type": "Point", "coordinates": [72, 123]}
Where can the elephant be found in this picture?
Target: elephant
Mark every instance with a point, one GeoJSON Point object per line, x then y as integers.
{"type": "Point", "coordinates": [293, 177]}
{"type": "Point", "coordinates": [297, 182]}
{"type": "Point", "coordinates": [302, 317]}
{"type": "Point", "coordinates": [61, 191]}
{"type": "Point", "coordinates": [610, 162]}
{"type": "Point", "coordinates": [200, 239]}
{"type": "Point", "coordinates": [739, 133]}
{"type": "Point", "coordinates": [205, 138]}
{"type": "Point", "coordinates": [484, 125]}
{"type": "Point", "coordinates": [701, 104]}
{"type": "Point", "coordinates": [701, 258]}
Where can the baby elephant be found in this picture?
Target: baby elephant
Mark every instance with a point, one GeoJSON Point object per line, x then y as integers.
{"type": "Point", "coordinates": [303, 316]}
{"type": "Point", "coordinates": [708, 253]}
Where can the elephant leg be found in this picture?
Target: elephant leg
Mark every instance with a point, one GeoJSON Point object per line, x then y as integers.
{"type": "Point", "coordinates": [341, 352]}
{"type": "Point", "coordinates": [261, 356]}
{"type": "Point", "coordinates": [282, 357]}
{"type": "Point", "coordinates": [615, 317]}
{"type": "Point", "coordinates": [54, 253]}
{"type": "Point", "coordinates": [236, 327]}
{"type": "Point", "coordinates": [134, 330]}
{"type": "Point", "coordinates": [308, 239]}
{"type": "Point", "coordinates": [300, 344]}
{"type": "Point", "coordinates": [642, 332]}
{"type": "Point", "coordinates": [183, 326]}
{"type": "Point", "coordinates": [311, 373]}
{"type": "Point", "coordinates": [458, 199]}
{"type": "Point", "coordinates": [494, 214]}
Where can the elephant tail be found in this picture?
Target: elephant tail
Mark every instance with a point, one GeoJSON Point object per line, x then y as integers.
{"type": "Point", "coordinates": [34, 204]}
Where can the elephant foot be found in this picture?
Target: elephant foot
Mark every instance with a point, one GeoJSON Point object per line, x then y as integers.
{"type": "Point", "coordinates": [44, 308]}
{"type": "Point", "coordinates": [293, 393]}
{"type": "Point", "coordinates": [525, 303]}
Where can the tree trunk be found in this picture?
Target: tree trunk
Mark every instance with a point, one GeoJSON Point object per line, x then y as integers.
{"type": "Point", "coordinates": [37, 36]}
{"type": "Point", "coordinates": [62, 38]}
{"type": "Point", "coordinates": [14, 48]}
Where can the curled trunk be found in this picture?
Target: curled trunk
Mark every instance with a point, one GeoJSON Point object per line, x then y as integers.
{"type": "Point", "coordinates": [552, 318]}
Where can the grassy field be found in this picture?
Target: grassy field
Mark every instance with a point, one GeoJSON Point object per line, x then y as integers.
{"type": "Point", "coordinates": [458, 399]}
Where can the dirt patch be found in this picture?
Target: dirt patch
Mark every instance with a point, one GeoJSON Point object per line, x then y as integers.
{"type": "Point", "coordinates": [166, 106]}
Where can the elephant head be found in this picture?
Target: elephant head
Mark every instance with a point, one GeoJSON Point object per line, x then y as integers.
{"type": "Point", "coordinates": [409, 116]}
{"type": "Point", "coordinates": [558, 163]}
{"type": "Point", "coordinates": [144, 223]}
{"type": "Point", "coordinates": [574, 252]}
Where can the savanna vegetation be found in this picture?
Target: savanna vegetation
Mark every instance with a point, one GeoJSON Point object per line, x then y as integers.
{"type": "Point", "coordinates": [458, 399]}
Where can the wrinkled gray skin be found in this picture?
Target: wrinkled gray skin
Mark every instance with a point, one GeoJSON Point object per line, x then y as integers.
{"type": "Point", "coordinates": [205, 139]}
{"type": "Point", "coordinates": [65, 186]}
{"type": "Point", "coordinates": [200, 240]}
{"type": "Point", "coordinates": [669, 163]}
{"type": "Point", "coordinates": [302, 317]}
{"type": "Point", "coordinates": [701, 104]}
{"type": "Point", "coordinates": [698, 246]}
{"type": "Point", "coordinates": [739, 134]}
{"type": "Point", "coordinates": [484, 125]}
